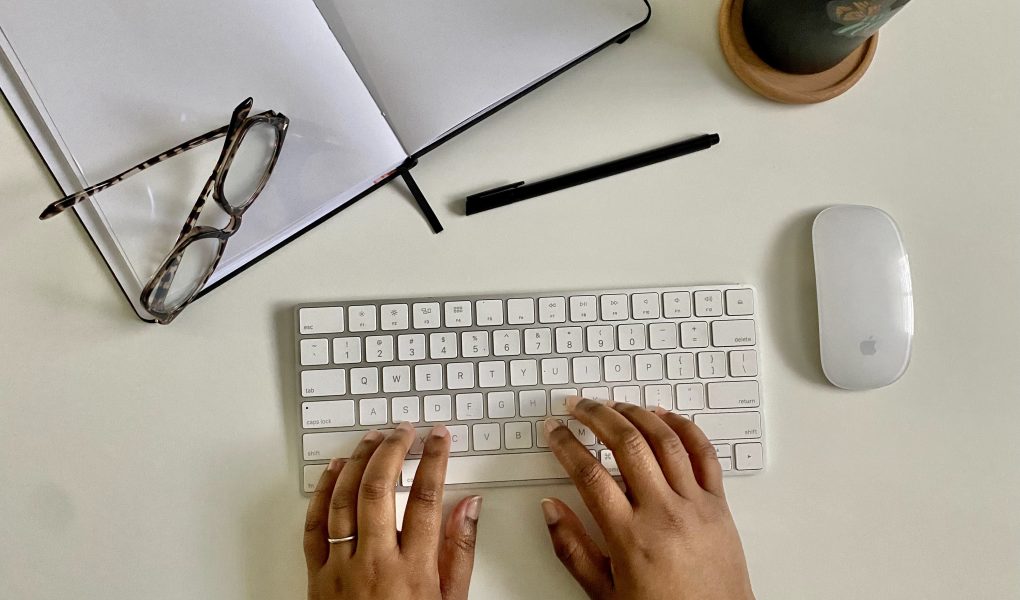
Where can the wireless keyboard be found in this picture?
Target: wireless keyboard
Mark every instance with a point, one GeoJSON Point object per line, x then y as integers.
{"type": "Point", "coordinates": [492, 368]}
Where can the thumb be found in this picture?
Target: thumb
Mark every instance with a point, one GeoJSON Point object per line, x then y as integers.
{"type": "Point", "coordinates": [576, 550]}
{"type": "Point", "coordinates": [457, 554]}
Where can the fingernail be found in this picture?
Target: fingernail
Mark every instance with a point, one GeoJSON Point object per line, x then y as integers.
{"type": "Point", "coordinates": [660, 411]}
{"type": "Point", "coordinates": [474, 508]}
{"type": "Point", "coordinates": [611, 403]}
{"type": "Point", "coordinates": [552, 425]}
{"type": "Point", "coordinates": [373, 435]}
{"type": "Point", "coordinates": [405, 426]}
{"type": "Point", "coordinates": [439, 431]}
{"type": "Point", "coordinates": [573, 401]}
{"type": "Point", "coordinates": [550, 511]}
{"type": "Point", "coordinates": [334, 465]}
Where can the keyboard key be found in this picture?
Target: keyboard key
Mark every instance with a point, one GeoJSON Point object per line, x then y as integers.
{"type": "Point", "coordinates": [586, 369]}
{"type": "Point", "coordinates": [489, 312]}
{"type": "Point", "coordinates": [558, 401]}
{"type": "Point", "coordinates": [680, 366]}
{"type": "Point", "coordinates": [374, 411]}
{"type": "Point", "coordinates": [365, 381]}
{"type": "Point", "coordinates": [711, 365]}
{"type": "Point", "coordinates": [418, 445]}
{"type": "Point", "coordinates": [396, 379]}
{"type": "Point", "coordinates": [552, 310]}
{"type": "Point", "coordinates": [314, 353]}
{"type": "Point", "coordinates": [460, 376]}
{"type": "Point", "coordinates": [723, 450]}
{"type": "Point", "coordinates": [677, 305]}
{"type": "Point", "coordinates": [411, 347]}
{"type": "Point", "coordinates": [569, 340]}
{"type": "Point", "coordinates": [501, 405]}
{"type": "Point", "coordinates": [485, 436]}
{"type": "Point", "coordinates": [474, 344]}
{"type": "Point", "coordinates": [520, 311]}
{"type": "Point", "coordinates": [584, 309]}
{"type": "Point", "coordinates": [322, 415]}
{"type": "Point", "coordinates": [492, 374]}
{"type": "Point", "coordinates": [690, 396]}
{"type": "Point", "coordinates": [523, 372]}
{"type": "Point", "coordinates": [648, 367]}
{"type": "Point", "coordinates": [554, 371]}
{"type": "Point", "coordinates": [428, 378]}
{"type": "Point", "coordinates": [614, 307]}
{"type": "Point", "coordinates": [347, 350]}
{"type": "Point", "coordinates": [395, 317]}
{"type": "Point", "coordinates": [609, 462]}
{"type": "Point", "coordinates": [314, 321]}
{"type": "Point", "coordinates": [469, 407]}
{"type": "Point", "coordinates": [458, 314]}
{"type": "Point", "coordinates": [631, 337]}
{"type": "Point", "coordinates": [599, 394]}
{"type": "Point", "coordinates": [659, 395]}
{"type": "Point", "coordinates": [740, 303]}
{"type": "Point", "coordinates": [708, 304]}
{"type": "Point", "coordinates": [517, 436]}
{"type": "Point", "coordinates": [600, 338]}
{"type": "Point", "coordinates": [733, 333]}
{"type": "Point", "coordinates": [362, 318]}
{"type": "Point", "coordinates": [618, 368]}
{"type": "Point", "coordinates": [506, 342]}
{"type": "Point", "coordinates": [627, 394]}
{"type": "Point", "coordinates": [458, 438]}
{"type": "Point", "coordinates": [442, 345]}
{"type": "Point", "coordinates": [426, 315]}
{"type": "Point", "coordinates": [438, 409]}
{"type": "Point", "coordinates": [694, 334]}
{"type": "Point", "coordinates": [645, 306]}
{"type": "Point", "coordinates": [537, 341]}
{"type": "Point", "coordinates": [379, 348]}
{"type": "Point", "coordinates": [750, 457]}
{"type": "Point", "coordinates": [324, 446]}
{"type": "Point", "coordinates": [582, 432]}
{"type": "Point", "coordinates": [726, 464]}
{"type": "Point", "coordinates": [406, 408]}
{"type": "Point", "coordinates": [730, 425]}
{"type": "Point", "coordinates": [312, 475]}
{"type": "Point", "coordinates": [744, 363]}
{"type": "Point", "coordinates": [493, 468]}
{"type": "Point", "coordinates": [532, 403]}
{"type": "Point", "coordinates": [329, 382]}
{"type": "Point", "coordinates": [733, 394]}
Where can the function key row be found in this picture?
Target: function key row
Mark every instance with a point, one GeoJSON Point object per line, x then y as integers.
{"type": "Point", "coordinates": [526, 311]}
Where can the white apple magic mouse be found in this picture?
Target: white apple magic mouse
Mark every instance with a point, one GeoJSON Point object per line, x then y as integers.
{"type": "Point", "coordinates": [865, 298]}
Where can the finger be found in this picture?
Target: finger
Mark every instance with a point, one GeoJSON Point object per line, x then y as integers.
{"type": "Point", "coordinates": [343, 506]}
{"type": "Point", "coordinates": [603, 497]}
{"type": "Point", "coordinates": [457, 553]}
{"type": "Point", "coordinates": [703, 457]}
{"type": "Point", "coordinates": [423, 518]}
{"type": "Point", "coordinates": [377, 506]}
{"type": "Point", "coordinates": [317, 519]}
{"type": "Point", "coordinates": [576, 550]}
{"type": "Point", "coordinates": [634, 457]}
{"type": "Point", "coordinates": [668, 449]}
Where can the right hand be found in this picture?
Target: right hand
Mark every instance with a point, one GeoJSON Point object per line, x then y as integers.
{"type": "Point", "coordinates": [671, 535]}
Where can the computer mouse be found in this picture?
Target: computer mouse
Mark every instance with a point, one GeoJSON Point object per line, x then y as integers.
{"type": "Point", "coordinates": [865, 297]}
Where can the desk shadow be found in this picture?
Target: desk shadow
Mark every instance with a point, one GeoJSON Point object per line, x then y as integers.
{"type": "Point", "coordinates": [791, 302]}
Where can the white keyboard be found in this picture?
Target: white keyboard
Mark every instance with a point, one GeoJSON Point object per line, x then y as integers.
{"type": "Point", "coordinates": [493, 368]}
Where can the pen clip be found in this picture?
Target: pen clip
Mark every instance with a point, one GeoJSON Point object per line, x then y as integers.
{"type": "Point", "coordinates": [494, 191]}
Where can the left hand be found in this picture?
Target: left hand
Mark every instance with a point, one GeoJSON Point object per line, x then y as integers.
{"type": "Point", "coordinates": [425, 561]}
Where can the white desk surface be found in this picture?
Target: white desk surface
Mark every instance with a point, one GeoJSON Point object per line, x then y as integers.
{"type": "Point", "coordinates": [146, 462]}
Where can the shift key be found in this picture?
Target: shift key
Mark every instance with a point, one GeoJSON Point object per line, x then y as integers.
{"type": "Point", "coordinates": [729, 426]}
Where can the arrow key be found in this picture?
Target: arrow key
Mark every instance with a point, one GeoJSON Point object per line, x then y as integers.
{"type": "Point", "coordinates": [749, 457]}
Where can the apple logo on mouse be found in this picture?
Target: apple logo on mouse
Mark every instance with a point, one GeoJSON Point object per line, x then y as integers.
{"type": "Point", "coordinates": [869, 347]}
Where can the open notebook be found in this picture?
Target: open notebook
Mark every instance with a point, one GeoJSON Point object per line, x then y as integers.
{"type": "Point", "coordinates": [368, 85]}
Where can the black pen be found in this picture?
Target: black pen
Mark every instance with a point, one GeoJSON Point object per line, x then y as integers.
{"type": "Point", "coordinates": [515, 192]}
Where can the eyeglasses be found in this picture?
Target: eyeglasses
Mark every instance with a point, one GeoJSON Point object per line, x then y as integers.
{"type": "Point", "coordinates": [249, 154]}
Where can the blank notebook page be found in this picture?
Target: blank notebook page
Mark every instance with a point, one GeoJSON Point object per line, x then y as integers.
{"type": "Point", "coordinates": [434, 64]}
{"type": "Point", "coordinates": [120, 81]}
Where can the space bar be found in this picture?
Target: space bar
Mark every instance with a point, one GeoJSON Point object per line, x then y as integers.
{"type": "Point", "coordinates": [493, 468]}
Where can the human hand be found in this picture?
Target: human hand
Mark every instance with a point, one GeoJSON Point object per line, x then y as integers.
{"type": "Point", "coordinates": [424, 561]}
{"type": "Point", "coordinates": [671, 535]}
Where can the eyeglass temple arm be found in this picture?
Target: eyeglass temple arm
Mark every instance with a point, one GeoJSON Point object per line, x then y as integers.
{"type": "Point", "coordinates": [68, 201]}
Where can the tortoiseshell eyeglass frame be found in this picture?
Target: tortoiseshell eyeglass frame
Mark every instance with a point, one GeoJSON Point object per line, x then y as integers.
{"type": "Point", "coordinates": [155, 292]}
